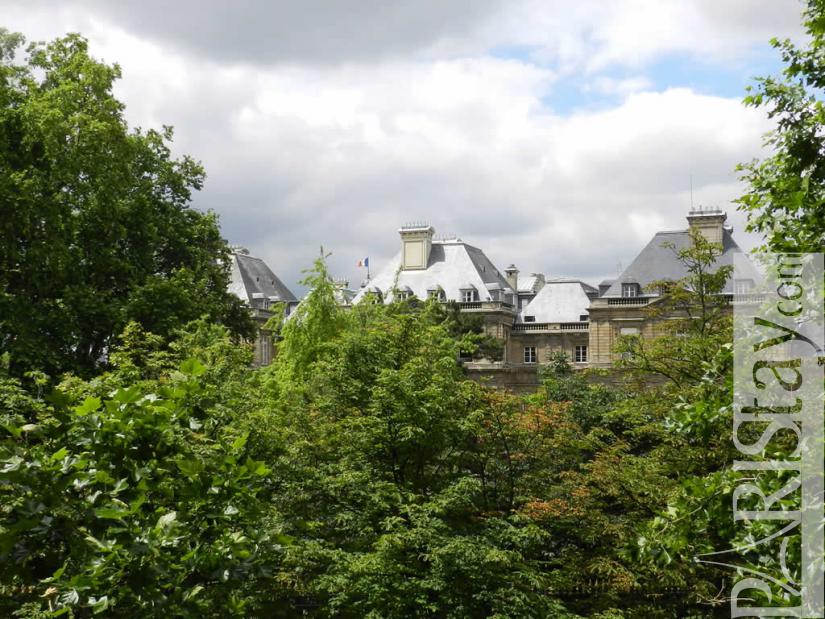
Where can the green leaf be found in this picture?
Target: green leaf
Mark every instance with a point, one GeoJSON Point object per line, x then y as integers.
{"type": "Point", "coordinates": [90, 405]}
{"type": "Point", "coordinates": [190, 468]}
{"type": "Point", "coordinates": [192, 367]}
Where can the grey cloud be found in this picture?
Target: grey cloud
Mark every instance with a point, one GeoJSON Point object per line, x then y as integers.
{"type": "Point", "coordinates": [268, 31]}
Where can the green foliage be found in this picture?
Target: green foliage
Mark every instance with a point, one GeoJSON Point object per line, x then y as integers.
{"type": "Point", "coordinates": [133, 505]}
{"type": "Point", "coordinates": [95, 229]}
{"type": "Point", "coordinates": [693, 318]}
{"type": "Point", "coordinates": [785, 201]}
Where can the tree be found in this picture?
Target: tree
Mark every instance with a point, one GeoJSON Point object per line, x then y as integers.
{"type": "Point", "coordinates": [693, 316]}
{"type": "Point", "coordinates": [95, 225]}
{"type": "Point", "coordinates": [785, 201]}
{"type": "Point", "coordinates": [141, 502]}
{"type": "Point", "coordinates": [401, 482]}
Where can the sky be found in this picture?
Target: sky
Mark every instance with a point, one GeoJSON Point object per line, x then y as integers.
{"type": "Point", "coordinates": [558, 135]}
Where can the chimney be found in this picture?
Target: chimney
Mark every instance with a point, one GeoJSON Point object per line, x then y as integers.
{"type": "Point", "coordinates": [512, 277]}
{"type": "Point", "coordinates": [710, 222]}
{"type": "Point", "coordinates": [416, 242]}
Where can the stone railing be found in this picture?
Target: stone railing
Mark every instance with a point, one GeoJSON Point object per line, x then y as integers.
{"type": "Point", "coordinates": [630, 300]}
{"type": "Point", "coordinates": [486, 306]}
{"type": "Point", "coordinates": [550, 327]}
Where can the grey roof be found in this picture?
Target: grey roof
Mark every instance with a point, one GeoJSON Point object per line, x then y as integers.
{"type": "Point", "coordinates": [453, 265]}
{"type": "Point", "coordinates": [657, 262]}
{"type": "Point", "coordinates": [530, 284]}
{"type": "Point", "coordinates": [252, 280]}
{"type": "Point", "coordinates": [561, 300]}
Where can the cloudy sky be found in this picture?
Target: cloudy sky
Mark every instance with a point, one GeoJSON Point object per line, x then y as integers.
{"type": "Point", "coordinates": [556, 134]}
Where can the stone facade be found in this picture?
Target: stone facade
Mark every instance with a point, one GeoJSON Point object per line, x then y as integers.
{"type": "Point", "coordinates": [534, 316]}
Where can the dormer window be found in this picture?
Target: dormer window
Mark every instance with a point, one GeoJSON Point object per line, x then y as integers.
{"type": "Point", "coordinates": [584, 318]}
{"type": "Point", "coordinates": [437, 294]}
{"type": "Point", "coordinates": [529, 319]}
{"type": "Point", "coordinates": [630, 290]}
{"type": "Point", "coordinates": [469, 295]}
{"type": "Point", "coordinates": [742, 286]}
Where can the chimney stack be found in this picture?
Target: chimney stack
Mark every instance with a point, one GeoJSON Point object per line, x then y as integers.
{"type": "Point", "coordinates": [710, 222]}
{"type": "Point", "coordinates": [416, 242]}
{"type": "Point", "coordinates": [512, 277]}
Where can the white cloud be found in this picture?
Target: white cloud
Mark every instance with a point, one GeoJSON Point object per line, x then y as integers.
{"type": "Point", "coordinates": [305, 152]}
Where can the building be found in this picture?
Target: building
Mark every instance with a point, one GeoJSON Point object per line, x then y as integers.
{"type": "Point", "coordinates": [447, 269]}
{"type": "Point", "coordinates": [621, 307]}
{"type": "Point", "coordinates": [538, 316]}
{"type": "Point", "coordinates": [254, 282]}
{"type": "Point", "coordinates": [535, 316]}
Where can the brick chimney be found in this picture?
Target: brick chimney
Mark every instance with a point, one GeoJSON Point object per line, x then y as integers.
{"type": "Point", "coordinates": [710, 222]}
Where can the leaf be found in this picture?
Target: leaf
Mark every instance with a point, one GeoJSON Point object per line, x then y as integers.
{"type": "Point", "coordinates": [192, 367]}
{"type": "Point", "coordinates": [190, 468]}
{"type": "Point", "coordinates": [239, 442]}
{"type": "Point", "coordinates": [192, 592]}
{"type": "Point", "coordinates": [111, 512]}
{"type": "Point", "coordinates": [167, 520]}
{"type": "Point", "coordinates": [90, 405]}
{"type": "Point", "coordinates": [230, 510]}
{"type": "Point", "coordinates": [12, 464]}
{"type": "Point", "coordinates": [98, 605]}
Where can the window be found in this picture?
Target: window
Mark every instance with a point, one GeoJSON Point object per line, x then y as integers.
{"type": "Point", "coordinates": [742, 286]}
{"type": "Point", "coordinates": [529, 354]}
{"type": "Point", "coordinates": [437, 294]}
{"type": "Point", "coordinates": [629, 331]}
{"type": "Point", "coordinates": [584, 317]}
{"type": "Point", "coordinates": [630, 290]}
{"type": "Point", "coordinates": [468, 296]}
{"type": "Point", "coordinates": [580, 354]}
{"type": "Point", "coordinates": [529, 319]}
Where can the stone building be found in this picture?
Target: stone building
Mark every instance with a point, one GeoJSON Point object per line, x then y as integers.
{"type": "Point", "coordinates": [254, 282]}
{"type": "Point", "coordinates": [534, 316]}
{"type": "Point", "coordinates": [621, 308]}
{"type": "Point", "coordinates": [447, 269]}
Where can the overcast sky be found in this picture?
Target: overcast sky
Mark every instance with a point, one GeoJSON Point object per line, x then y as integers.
{"type": "Point", "coordinates": [555, 134]}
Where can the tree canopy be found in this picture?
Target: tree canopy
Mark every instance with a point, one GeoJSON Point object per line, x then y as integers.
{"type": "Point", "coordinates": [95, 225]}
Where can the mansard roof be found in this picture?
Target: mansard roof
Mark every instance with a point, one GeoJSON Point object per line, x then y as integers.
{"type": "Point", "coordinates": [659, 262]}
{"type": "Point", "coordinates": [252, 280]}
{"type": "Point", "coordinates": [453, 266]}
{"type": "Point", "coordinates": [560, 300]}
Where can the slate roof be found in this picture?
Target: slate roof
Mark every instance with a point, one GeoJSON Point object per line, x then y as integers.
{"type": "Point", "coordinates": [561, 300]}
{"type": "Point", "coordinates": [530, 284]}
{"type": "Point", "coordinates": [453, 266]}
{"type": "Point", "coordinates": [253, 281]}
{"type": "Point", "coordinates": [657, 262]}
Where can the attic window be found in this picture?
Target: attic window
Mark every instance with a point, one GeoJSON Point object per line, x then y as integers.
{"type": "Point", "coordinates": [437, 294]}
{"type": "Point", "coordinates": [630, 290]}
{"type": "Point", "coordinates": [529, 319]}
{"type": "Point", "coordinates": [742, 286]}
{"type": "Point", "coordinates": [584, 318]}
{"type": "Point", "coordinates": [469, 296]}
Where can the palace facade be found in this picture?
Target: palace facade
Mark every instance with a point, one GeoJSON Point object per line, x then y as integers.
{"type": "Point", "coordinates": [534, 316]}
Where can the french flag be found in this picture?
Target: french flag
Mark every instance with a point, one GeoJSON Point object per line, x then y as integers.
{"type": "Point", "coordinates": [364, 263]}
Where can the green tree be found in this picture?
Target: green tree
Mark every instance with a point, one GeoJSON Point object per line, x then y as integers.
{"type": "Point", "coordinates": [401, 482]}
{"type": "Point", "coordinates": [143, 502]}
{"type": "Point", "coordinates": [95, 227]}
{"type": "Point", "coordinates": [785, 201]}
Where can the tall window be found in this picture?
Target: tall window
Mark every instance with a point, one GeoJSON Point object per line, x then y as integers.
{"type": "Point", "coordinates": [630, 290]}
{"type": "Point", "coordinates": [529, 354]}
{"type": "Point", "coordinates": [580, 355]}
{"type": "Point", "coordinates": [468, 296]}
